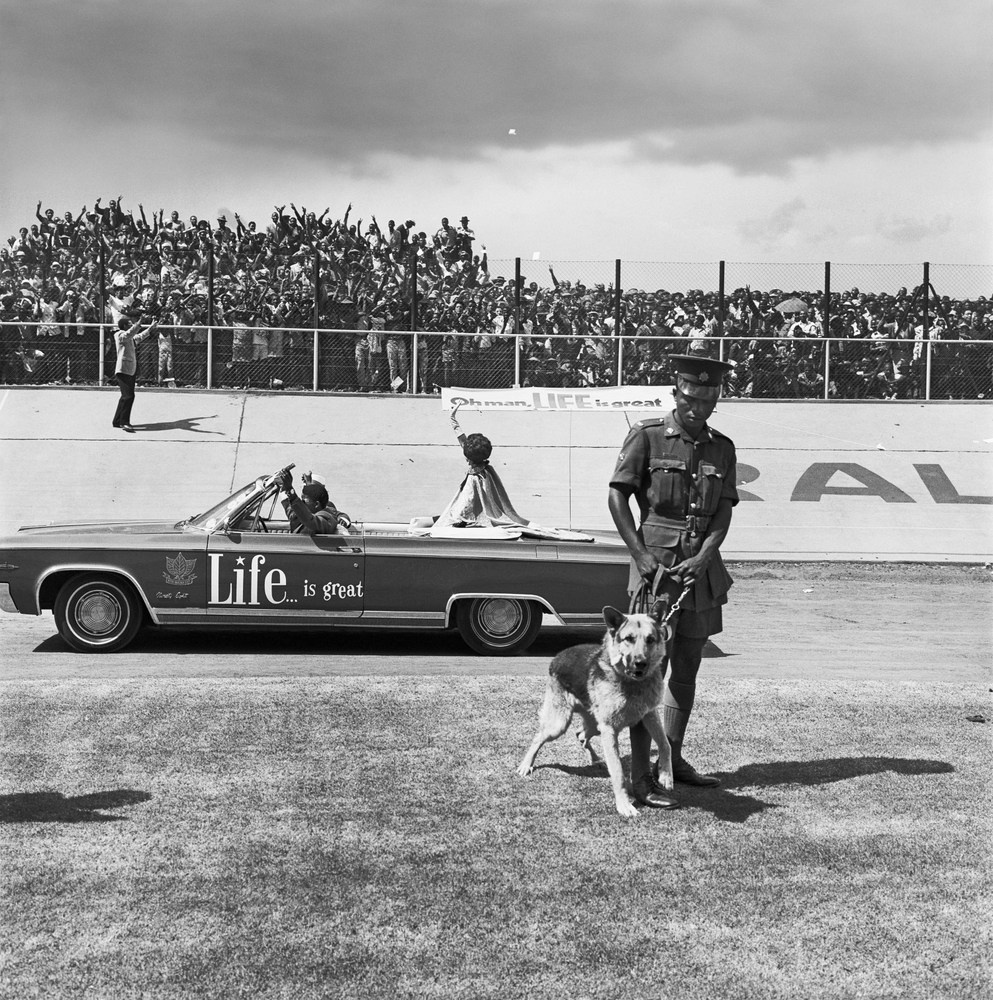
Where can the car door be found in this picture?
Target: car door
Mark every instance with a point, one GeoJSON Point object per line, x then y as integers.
{"type": "Point", "coordinates": [284, 578]}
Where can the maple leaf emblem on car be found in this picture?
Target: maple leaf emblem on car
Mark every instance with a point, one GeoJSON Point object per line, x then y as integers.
{"type": "Point", "coordinates": [180, 572]}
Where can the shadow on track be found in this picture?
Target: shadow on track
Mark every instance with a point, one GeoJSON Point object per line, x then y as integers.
{"type": "Point", "coordinates": [195, 641]}
{"type": "Point", "coordinates": [184, 424]}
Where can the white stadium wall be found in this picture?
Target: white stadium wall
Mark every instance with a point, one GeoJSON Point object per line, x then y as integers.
{"type": "Point", "coordinates": [818, 480]}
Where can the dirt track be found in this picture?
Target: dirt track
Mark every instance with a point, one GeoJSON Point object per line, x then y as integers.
{"type": "Point", "coordinates": [830, 620]}
{"type": "Point", "coordinates": [865, 572]}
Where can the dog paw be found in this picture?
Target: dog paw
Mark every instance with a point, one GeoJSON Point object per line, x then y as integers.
{"type": "Point", "coordinates": [666, 781]}
{"type": "Point", "coordinates": [524, 770]}
{"type": "Point", "coordinates": [627, 808]}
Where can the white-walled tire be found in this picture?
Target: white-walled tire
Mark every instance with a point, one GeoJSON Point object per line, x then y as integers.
{"type": "Point", "coordinates": [97, 614]}
{"type": "Point", "coordinates": [498, 626]}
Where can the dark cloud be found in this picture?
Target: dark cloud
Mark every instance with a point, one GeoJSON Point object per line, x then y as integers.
{"type": "Point", "coordinates": [745, 83]}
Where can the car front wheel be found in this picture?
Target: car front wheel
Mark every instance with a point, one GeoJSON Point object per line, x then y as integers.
{"type": "Point", "coordinates": [498, 625]}
{"type": "Point", "coordinates": [97, 614]}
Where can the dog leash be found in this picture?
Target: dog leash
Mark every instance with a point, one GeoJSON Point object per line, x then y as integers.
{"type": "Point", "coordinates": [641, 603]}
{"type": "Point", "coordinates": [677, 605]}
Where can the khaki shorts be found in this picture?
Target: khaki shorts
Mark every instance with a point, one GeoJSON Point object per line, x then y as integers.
{"type": "Point", "coordinates": [699, 624]}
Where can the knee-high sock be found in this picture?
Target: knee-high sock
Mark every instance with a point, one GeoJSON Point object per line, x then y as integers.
{"type": "Point", "coordinates": [680, 690]}
{"type": "Point", "coordinates": [677, 704]}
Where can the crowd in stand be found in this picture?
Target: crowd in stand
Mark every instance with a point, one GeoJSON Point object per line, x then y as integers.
{"type": "Point", "coordinates": [264, 291]}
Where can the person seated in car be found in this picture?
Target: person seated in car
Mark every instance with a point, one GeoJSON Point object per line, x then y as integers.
{"type": "Point", "coordinates": [344, 521]}
{"type": "Point", "coordinates": [309, 514]}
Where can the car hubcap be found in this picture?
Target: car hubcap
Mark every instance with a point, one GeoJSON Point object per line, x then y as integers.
{"type": "Point", "coordinates": [98, 613]}
{"type": "Point", "coordinates": [500, 618]}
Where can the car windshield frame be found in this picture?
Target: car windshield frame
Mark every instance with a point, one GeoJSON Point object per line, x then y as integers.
{"type": "Point", "coordinates": [221, 515]}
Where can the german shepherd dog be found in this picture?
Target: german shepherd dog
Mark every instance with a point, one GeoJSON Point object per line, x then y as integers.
{"type": "Point", "coordinates": [612, 686]}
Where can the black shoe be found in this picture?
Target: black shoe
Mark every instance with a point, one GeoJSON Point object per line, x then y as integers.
{"type": "Point", "coordinates": [128, 428]}
{"type": "Point", "coordinates": [656, 786]}
{"type": "Point", "coordinates": [689, 775]}
{"type": "Point", "coordinates": [645, 794]}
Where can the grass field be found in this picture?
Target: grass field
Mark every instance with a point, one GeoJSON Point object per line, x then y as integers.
{"type": "Point", "coordinates": [368, 838]}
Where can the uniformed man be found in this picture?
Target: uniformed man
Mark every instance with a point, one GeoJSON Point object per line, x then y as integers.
{"type": "Point", "coordinates": [682, 473]}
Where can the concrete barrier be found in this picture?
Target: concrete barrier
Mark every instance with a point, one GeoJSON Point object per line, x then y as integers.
{"type": "Point", "coordinates": [819, 480]}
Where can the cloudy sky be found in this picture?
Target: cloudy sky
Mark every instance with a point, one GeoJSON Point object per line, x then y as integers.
{"type": "Point", "coordinates": [651, 130]}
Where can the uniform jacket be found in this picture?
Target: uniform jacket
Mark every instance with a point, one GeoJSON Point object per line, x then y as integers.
{"type": "Point", "coordinates": [678, 483]}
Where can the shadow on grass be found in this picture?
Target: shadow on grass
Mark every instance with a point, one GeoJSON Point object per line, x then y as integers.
{"type": "Point", "coordinates": [822, 772]}
{"type": "Point", "coordinates": [726, 803]}
{"type": "Point", "coordinates": [54, 807]}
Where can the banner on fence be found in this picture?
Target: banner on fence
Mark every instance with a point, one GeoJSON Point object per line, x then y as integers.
{"type": "Point", "coordinates": [609, 399]}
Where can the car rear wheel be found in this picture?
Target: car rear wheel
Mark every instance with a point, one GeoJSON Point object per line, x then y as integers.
{"type": "Point", "coordinates": [97, 614]}
{"type": "Point", "coordinates": [498, 625]}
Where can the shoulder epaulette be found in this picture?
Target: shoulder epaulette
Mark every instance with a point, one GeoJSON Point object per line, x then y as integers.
{"type": "Point", "coordinates": [716, 433]}
{"type": "Point", "coordinates": [649, 422]}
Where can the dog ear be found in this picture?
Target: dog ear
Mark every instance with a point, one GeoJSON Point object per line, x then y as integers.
{"type": "Point", "coordinates": [612, 617]}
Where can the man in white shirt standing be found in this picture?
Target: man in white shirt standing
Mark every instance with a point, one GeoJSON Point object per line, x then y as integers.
{"type": "Point", "coordinates": [128, 334]}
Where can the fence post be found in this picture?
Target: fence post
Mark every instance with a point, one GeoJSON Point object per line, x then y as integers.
{"type": "Point", "coordinates": [617, 296]}
{"type": "Point", "coordinates": [317, 289]}
{"type": "Point", "coordinates": [517, 322]}
{"type": "Point", "coordinates": [618, 330]}
{"type": "Point", "coordinates": [414, 359]}
{"type": "Point", "coordinates": [101, 373]}
{"type": "Point", "coordinates": [826, 324]}
{"type": "Point", "coordinates": [412, 270]}
{"type": "Point", "coordinates": [826, 301]}
{"type": "Point", "coordinates": [315, 364]}
{"type": "Point", "coordinates": [926, 329]}
{"type": "Point", "coordinates": [210, 318]}
{"type": "Point", "coordinates": [721, 304]}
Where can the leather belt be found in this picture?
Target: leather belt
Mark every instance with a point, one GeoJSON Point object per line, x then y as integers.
{"type": "Point", "coordinates": [695, 524]}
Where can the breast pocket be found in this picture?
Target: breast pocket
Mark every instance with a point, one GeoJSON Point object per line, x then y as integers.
{"type": "Point", "coordinates": [711, 487]}
{"type": "Point", "coordinates": [667, 489]}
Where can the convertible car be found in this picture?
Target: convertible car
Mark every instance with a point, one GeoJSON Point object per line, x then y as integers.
{"type": "Point", "coordinates": [238, 565]}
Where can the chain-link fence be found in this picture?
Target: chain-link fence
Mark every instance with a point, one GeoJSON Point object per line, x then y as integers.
{"type": "Point", "coordinates": [793, 367]}
{"type": "Point", "coordinates": [301, 317]}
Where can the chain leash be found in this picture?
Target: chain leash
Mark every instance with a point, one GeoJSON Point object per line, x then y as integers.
{"type": "Point", "coordinates": [677, 605]}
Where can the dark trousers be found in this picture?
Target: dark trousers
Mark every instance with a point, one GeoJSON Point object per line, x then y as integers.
{"type": "Point", "coordinates": [126, 385]}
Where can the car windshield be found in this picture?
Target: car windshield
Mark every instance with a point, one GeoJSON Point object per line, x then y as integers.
{"type": "Point", "coordinates": [220, 515]}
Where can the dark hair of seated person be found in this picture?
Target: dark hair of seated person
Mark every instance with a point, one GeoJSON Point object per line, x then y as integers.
{"type": "Point", "coordinates": [319, 491]}
{"type": "Point", "coordinates": [477, 449]}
